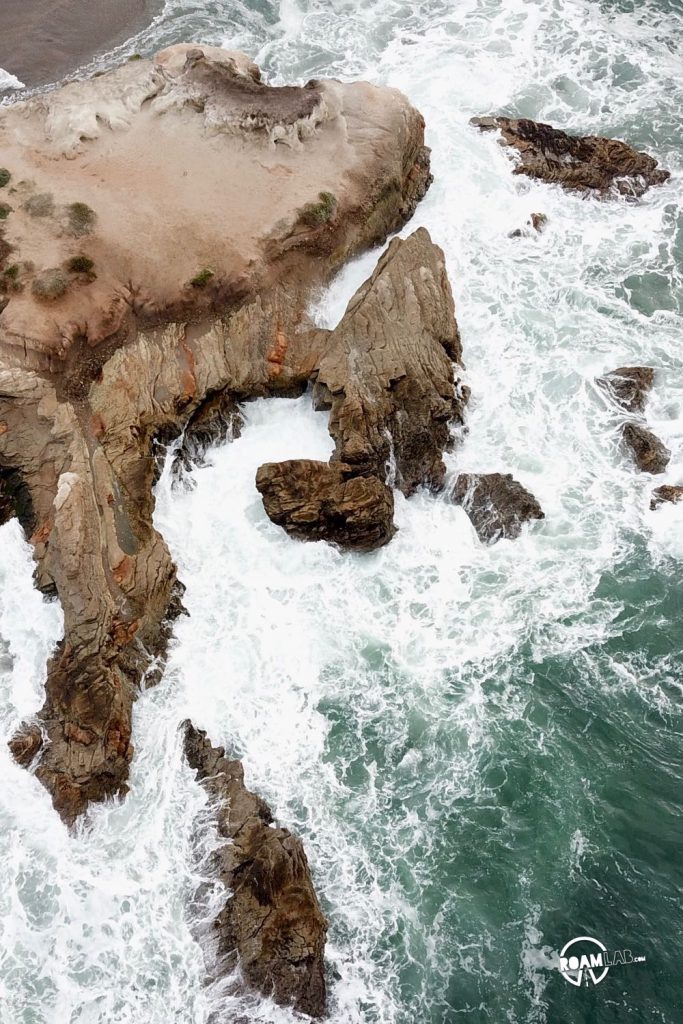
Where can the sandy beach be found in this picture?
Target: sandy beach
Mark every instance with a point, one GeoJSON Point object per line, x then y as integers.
{"type": "Point", "coordinates": [43, 40]}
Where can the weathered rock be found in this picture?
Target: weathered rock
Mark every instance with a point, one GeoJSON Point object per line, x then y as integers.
{"type": "Point", "coordinates": [387, 370]}
{"type": "Point", "coordinates": [271, 924]}
{"type": "Point", "coordinates": [671, 493]}
{"type": "Point", "coordinates": [177, 312]}
{"type": "Point", "coordinates": [317, 501]}
{"type": "Point", "coordinates": [497, 505]}
{"type": "Point", "coordinates": [583, 163]}
{"type": "Point", "coordinates": [629, 386]}
{"type": "Point", "coordinates": [649, 453]}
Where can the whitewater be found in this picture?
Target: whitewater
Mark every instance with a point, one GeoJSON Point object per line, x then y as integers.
{"type": "Point", "coordinates": [481, 747]}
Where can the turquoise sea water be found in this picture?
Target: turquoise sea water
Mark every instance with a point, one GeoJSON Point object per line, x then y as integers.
{"type": "Point", "coordinates": [480, 746]}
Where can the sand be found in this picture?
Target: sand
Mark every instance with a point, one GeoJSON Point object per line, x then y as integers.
{"type": "Point", "coordinates": [41, 41]}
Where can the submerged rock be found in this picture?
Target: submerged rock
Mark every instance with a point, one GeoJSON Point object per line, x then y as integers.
{"type": "Point", "coordinates": [629, 386]}
{"type": "Point", "coordinates": [271, 924]}
{"type": "Point", "coordinates": [583, 163]}
{"type": "Point", "coordinates": [671, 493]}
{"type": "Point", "coordinates": [317, 501]}
{"type": "Point", "coordinates": [649, 453]}
{"type": "Point", "coordinates": [497, 505]}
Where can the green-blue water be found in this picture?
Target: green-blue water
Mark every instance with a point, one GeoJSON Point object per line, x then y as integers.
{"type": "Point", "coordinates": [480, 746]}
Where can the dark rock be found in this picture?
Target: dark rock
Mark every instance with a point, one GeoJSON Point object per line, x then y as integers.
{"type": "Point", "coordinates": [629, 386]}
{"type": "Point", "coordinates": [666, 493]}
{"type": "Point", "coordinates": [317, 501]}
{"type": "Point", "coordinates": [271, 924]}
{"type": "Point", "coordinates": [218, 419]}
{"type": "Point", "coordinates": [650, 454]}
{"type": "Point", "coordinates": [537, 222]}
{"type": "Point", "coordinates": [583, 163]}
{"type": "Point", "coordinates": [497, 505]}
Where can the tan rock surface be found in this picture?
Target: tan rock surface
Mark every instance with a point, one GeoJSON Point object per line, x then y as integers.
{"type": "Point", "coordinates": [188, 163]}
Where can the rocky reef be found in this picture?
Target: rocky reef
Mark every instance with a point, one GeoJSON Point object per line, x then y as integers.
{"type": "Point", "coordinates": [271, 926]}
{"type": "Point", "coordinates": [586, 163]}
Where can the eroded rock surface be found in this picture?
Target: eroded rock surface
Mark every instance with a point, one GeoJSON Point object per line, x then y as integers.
{"type": "Point", "coordinates": [125, 185]}
{"type": "Point", "coordinates": [629, 386]}
{"type": "Point", "coordinates": [387, 373]}
{"type": "Point", "coordinates": [271, 924]}
{"type": "Point", "coordinates": [317, 501]}
{"type": "Point", "coordinates": [497, 505]}
{"type": "Point", "coordinates": [649, 453]}
{"type": "Point", "coordinates": [667, 493]}
{"type": "Point", "coordinates": [581, 163]}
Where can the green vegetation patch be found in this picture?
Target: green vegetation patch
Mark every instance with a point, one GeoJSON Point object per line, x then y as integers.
{"type": "Point", "coordinates": [4, 177]}
{"type": "Point", "coordinates": [201, 279]}
{"type": "Point", "coordinates": [81, 218]}
{"type": "Point", "coordinates": [5, 210]}
{"type": "Point", "coordinates": [321, 212]}
{"type": "Point", "coordinates": [50, 284]}
{"type": "Point", "coordinates": [80, 265]}
{"type": "Point", "coordinates": [12, 272]}
{"type": "Point", "coordinates": [40, 205]}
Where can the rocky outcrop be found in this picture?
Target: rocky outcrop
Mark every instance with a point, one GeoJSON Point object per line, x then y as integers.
{"type": "Point", "coordinates": [629, 386]}
{"type": "Point", "coordinates": [162, 318]}
{"type": "Point", "coordinates": [497, 505]}
{"type": "Point", "coordinates": [580, 163]}
{"type": "Point", "coordinates": [387, 371]}
{"type": "Point", "coordinates": [649, 453]}
{"type": "Point", "coordinates": [317, 501]}
{"type": "Point", "coordinates": [271, 925]}
{"type": "Point", "coordinates": [667, 493]}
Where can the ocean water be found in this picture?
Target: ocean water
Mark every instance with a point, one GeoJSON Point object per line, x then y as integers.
{"type": "Point", "coordinates": [481, 747]}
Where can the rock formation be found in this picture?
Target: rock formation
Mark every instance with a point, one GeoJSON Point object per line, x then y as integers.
{"type": "Point", "coordinates": [271, 924]}
{"type": "Point", "coordinates": [670, 493]}
{"type": "Point", "coordinates": [161, 290]}
{"type": "Point", "coordinates": [536, 225]}
{"type": "Point", "coordinates": [497, 505]}
{"type": "Point", "coordinates": [387, 371]}
{"type": "Point", "coordinates": [580, 163]}
{"type": "Point", "coordinates": [317, 501]}
{"type": "Point", "coordinates": [629, 386]}
{"type": "Point", "coordinates": [649, 453]}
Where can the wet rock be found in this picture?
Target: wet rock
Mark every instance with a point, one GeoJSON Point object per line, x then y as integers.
{"type": "Point", "coordinates": [271, 924]}
{"type": "Point", "coordinates": [629, 386]}
{"type": "Point", "coordinates": [582, 163]}
{"type": "Point", "coordinates": [216, 421]}
{"type": "Point", "coordinates": [666, 493]}
{"type": "Point", "coordinates": [317, 501]}
{"type": "Point", "coordinates": [497, 505]}
{"type": "Point", "coordinates": [537, 223]}
{"type": "Point", "coordinates": [387, 372]}
{"type": "Point", "coordinates": [649, 453]}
